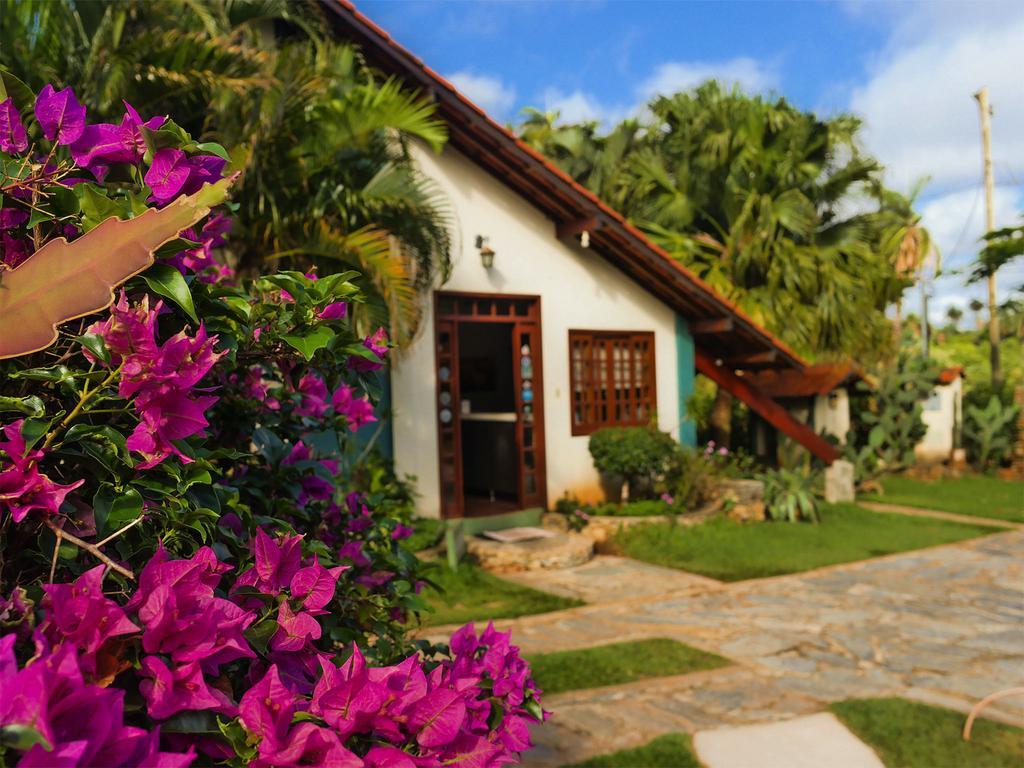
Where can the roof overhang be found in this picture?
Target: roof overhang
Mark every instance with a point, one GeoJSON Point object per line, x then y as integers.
{"type": "Point", "coordinates": [726, 332]}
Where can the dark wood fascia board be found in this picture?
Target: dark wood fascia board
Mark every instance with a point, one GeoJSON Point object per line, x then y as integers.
{"type": "Point", "coordinates": [765, 407]}
{"type": "Point", "coordinates": [711, 326]}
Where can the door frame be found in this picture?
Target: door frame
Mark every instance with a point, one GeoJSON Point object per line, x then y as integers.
{"type": "Point", "coordinates": [450, 309]}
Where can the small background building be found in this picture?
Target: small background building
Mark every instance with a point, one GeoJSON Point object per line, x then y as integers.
{"type": "Point", "coordinates": [943, 415]}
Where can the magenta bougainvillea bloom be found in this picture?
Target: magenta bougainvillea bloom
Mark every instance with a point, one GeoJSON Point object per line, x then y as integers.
{"type": "Point", "coordinates": [12, 131]}
{"type": "Point", "coordinates": [277, 561]}
{"type": "Point", "coordinates": [158, 378]}
{"type": "Point", "coordinates": [169, 691]}
{"type": "Point", "coordinates": [356, 410]}
{"type": "Point", "coordinates": [22, 487]}
{"type": "Point", "coordinates": [314, 397]}
{"type": "Point", "coordinates": [167, 174]}
{"type": "Point", "coordinates": [200, 260]}
{"type": "Point", "coordinates": [60, 115]}
{"type": "Point", "coordinates": [377, 343]}
{"type": "Point", "coordinates": [102, 144]}
{"type": "Point", "coordinates": [333, 311]}
{"type": "Point", "coordinates": [80, 724]}
{"type": "Point", "coordinates": [80, 614]}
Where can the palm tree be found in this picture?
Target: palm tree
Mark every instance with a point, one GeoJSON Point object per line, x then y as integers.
{"type": "Point", "coordinates": [976, 305]}
{"type": "Point", "coordinates": [755, 196]}
{"type": "Point", "coordinates": [323, 142]}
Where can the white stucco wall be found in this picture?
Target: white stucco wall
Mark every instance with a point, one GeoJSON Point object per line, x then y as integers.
{"type": "Point", "coordinates": [578, 290]}
{"type": "Point", "coordinates": [942, 412]}
{"type": "Point", "coordinates": [832, 414]}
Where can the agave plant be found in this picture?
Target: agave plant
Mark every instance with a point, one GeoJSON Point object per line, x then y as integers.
{"type": "Point", "coordinates": [789, 496]}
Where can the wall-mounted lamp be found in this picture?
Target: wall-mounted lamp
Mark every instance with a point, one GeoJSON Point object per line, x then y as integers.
{"type": "Point", "coordinates": [584, 239]}
{"type": "Point", "coordinates": [486, 252]}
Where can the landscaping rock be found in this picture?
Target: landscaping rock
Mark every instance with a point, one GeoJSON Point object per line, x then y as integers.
{"type": "Point", "coordinates": [563, 550]}
{"type": "Point", "coordinates": [743, 500]}
{"type": "Point", "coordinates": [839, 483]}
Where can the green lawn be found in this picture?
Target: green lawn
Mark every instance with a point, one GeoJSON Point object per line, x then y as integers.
{"type": "Point", "coordinates": [977, 495]}
{"type": "Point", "coordinates": [472, 594]}
{"type": "Point", "coordinates": [730, 551]}
{"type": "Point", "coordinates": [426, 532]}
{"type": "Point", "coordinates": [618, 663]}
{"type": "Point", "coordinates": [906, 734]}
{"type": "Point", "coordinates": [674, 750]}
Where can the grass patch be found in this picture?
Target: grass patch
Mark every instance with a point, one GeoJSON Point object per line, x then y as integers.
{"type": "Point", "coordinates": [906, 734]}
{"type": "Point", "coordinates": [673, 750]}
{"type": "Point", "coordinates": [731, 551]}
{"type": "Point", "coordinates": [645, 508]}
{"type": "Point", "coordinates": [618, 663]}
{"type": "Point", "coordinates": [977, 495]}
{"type": "Point", "coordinates": [473, 594]}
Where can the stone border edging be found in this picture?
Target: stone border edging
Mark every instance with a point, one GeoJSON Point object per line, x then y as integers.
{"type": "Point", "coordinates": [953, 517]}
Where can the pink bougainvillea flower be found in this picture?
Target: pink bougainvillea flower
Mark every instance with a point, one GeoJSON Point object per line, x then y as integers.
{"type": "Point", "coordinates": [334, 311]}
{"type": "Point", "coordinates": [13, 250]}
{"type": "Point", "coordinates": [389, 757]}
{"type": "Point", "coordinates": [313, 391]}
{"type": "Point", "coordinates": [22, 487]}
{"type": "Point", "coordinates": [353, 550]}
{"type": "Point", "coordinates": [308, 744]}
{"type": "Point", "coordinates": [378, 345]}
{"type": "Point", "coordinates": [11, 218]}
{"type": "Point", "coordinates": [295, 631]}
{"type": "Point", "coordinates": [401, 532]}
{"type": "Point", "coordinates": [167, 174]}
{"type": "Point", "coordinates": [60, 115]}
{"type": "Point", "coordinates": [313, 586]}
{"type": "Point", "coordinates": [104, 143]}
{"type": "Point", "coordinates": [266, 710]}
{"type": "Point", "coordinates": [129, 331]}
{"type": "Point", "coordinates": [277, 561]}
{"type": "Point", "coordinates": [169, 691]}
{"type": "Point", "coordinates": [164, 419]}
{"type": "Point", "coordinates": [12, 131]}
{"type": "Point", "coordinates": [357, 411]}
{"type": "Point", "coordinates": [81, 614]}
{"type": "Point", "coordinates": [345, 697]}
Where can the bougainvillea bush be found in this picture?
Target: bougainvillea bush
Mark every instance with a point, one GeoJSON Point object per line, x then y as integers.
{"type": "Point", "coordinates": [190, 573]}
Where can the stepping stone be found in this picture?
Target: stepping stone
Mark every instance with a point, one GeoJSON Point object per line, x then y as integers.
{"type": "Point", "coordinates": [813, 741]}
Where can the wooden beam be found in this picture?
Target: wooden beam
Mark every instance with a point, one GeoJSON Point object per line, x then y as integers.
{"type": "Point", "coordinates": [711, 326]}
{"type": "Point", "coordinates": [767, 357]}
{"type": "Point", "coordinates": [566, 229]}
{"type": "Point", "coordinates": [767, 408]}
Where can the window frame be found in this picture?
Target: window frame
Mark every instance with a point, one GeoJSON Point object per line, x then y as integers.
{"type": "Point", "coordinates": [650, 404]}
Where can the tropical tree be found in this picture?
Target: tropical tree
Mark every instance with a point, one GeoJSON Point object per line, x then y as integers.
{"type": "Point", "coordinates": [955, 315]}
{"type": "Point", "coordinates": [1002, 246]}
{"type": "Point", "coordinates": [777, 209]}
{"type": "Point", "coordinates": [321, 141]}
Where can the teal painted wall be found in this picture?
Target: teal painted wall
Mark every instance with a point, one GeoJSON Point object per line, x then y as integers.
{"type": "Point", "coordinates": [686, 371]}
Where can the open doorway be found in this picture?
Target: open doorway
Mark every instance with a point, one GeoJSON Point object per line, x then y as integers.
{"type": "Point", "coordinates": [490, 404]}
{"type": "Point", "coordinates": [488, 414]}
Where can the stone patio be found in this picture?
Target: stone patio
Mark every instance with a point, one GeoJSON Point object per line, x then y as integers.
{"type": "Point", "coordinates": [943, 625]}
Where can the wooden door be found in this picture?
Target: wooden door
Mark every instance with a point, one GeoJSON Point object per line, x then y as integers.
{"type": "Point", "coordinates": [449, 447]}
{"type": "Point", "coordinates": [529, 391]}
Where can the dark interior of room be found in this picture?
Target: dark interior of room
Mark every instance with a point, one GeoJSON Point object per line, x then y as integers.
{"type": "Point", "coordinates": [486, 382]}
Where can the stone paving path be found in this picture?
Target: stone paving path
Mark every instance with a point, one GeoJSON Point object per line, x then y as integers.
{"type": "Point", "coordinates": [943, 625]}
{"type": "Point", "coordinates": [902, 509]}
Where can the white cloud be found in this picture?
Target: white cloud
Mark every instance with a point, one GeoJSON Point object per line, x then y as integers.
{"type": "Point", "coordinates": [666, 78]}
{"type": "Point", "coordinates": [673, 76]}
{"type": "Point", "coordinates": [579, 106]}
{"type": "Point", "coordinates": [920, 117]}
{"type": "Point", "coordinates": [487, 92]}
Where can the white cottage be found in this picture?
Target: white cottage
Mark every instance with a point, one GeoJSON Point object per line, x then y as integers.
{"type": "Point", "coordinates": [943, 416]}
{"type": "Point", "coordinates": [559, 318]}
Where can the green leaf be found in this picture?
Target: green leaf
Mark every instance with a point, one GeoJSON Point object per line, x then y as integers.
{"type": "Point", "coordinates": [168, 282]}
{"type": "Point", "coordinates": [238, 305]}
{"type": "Point", "coordinates": [174, 247]}
{"type": "Point", "coordinates": [259, 635]}
{"type": "Point", "coordinates": [307, 345]}
{"type": "Point", "coordinates": [30, 406]}
{"type": "Point", "coordinates": [96, 206]}
{"type": "Point", "coordinates": [876, 436]}
{"type": "Point", "coordinates": [113, 509]}
{"type": "Point", "coordinates": [32, 431]}
{"type": "Point", "coordinates": [11, 86]}
{"type": "Point", "coordinates": [213, 148]}
{"type": "Point", "coordinates": [38, 216]}
{"type": "Point", "coordinates": [23, 737]}
{"type": "Point", "coordinates": [55, 374]}
{"type": "Point", "coordinates": [191, 722]}
{"type": "Point", "coordinates": [96, 345]}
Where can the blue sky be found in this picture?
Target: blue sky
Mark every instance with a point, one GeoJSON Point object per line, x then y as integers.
{"type": "Point", "coordinates": [907, 68]}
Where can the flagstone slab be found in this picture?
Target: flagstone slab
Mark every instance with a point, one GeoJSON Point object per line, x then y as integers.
{"type": "Point", "coordinates": [803, 742]}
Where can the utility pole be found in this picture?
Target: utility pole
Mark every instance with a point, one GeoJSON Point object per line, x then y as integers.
{"type": "Point", "coordinates": [990, 224]}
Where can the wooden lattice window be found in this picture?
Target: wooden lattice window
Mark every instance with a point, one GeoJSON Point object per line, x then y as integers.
{"type": "Point", "coordinates": [611, 379]}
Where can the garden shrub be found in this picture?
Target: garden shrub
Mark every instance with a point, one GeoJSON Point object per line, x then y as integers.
{"type": "Point", "coordinates": [197, 564]}
{"type": "Point", "coordinates": [639, 455]}
{"type": "Point", "coordinates": [691, 477]}
{"type": "Point", "coordinates": [989, 432]}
